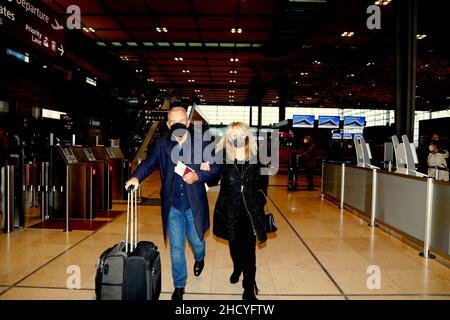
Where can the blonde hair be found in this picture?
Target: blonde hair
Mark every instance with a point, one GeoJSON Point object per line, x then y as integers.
{"type": "Point", "coordinates": [251, 146]}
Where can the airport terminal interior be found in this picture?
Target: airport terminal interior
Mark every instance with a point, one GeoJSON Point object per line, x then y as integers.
{"type": "Point", "coordinates": [85, 92]}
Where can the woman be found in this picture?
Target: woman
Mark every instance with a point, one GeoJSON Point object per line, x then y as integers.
{"type": "Point", "coordinates": [437, 159]}
{"type": "Point", "coordinates": [239, 212]}
{"type": "Point", "coordinates": [307, 158]}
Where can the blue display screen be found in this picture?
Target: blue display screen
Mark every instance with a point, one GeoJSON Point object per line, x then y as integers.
{"type": "Point", "coordinates": [354, 122]}
{"type": "Point", "coordinates": [300, 121]}
{"type": "Point", "coordinates": [331, 122]}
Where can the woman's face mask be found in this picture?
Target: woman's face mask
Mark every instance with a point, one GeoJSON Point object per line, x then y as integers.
{"type": "Point", "coordinates": [238, 140]}
{"type": "Point", "coordinates": [431, 148]}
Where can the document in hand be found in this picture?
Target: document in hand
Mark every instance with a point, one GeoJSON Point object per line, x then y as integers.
{"type": "Point", "coordinates": [181, 169]}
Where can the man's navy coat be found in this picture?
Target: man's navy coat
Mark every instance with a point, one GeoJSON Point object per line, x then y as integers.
{"type": "Point", "coordinates": [160, 157]}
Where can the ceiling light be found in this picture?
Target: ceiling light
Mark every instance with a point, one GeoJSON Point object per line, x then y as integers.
{"type": "Point", "coordinates": [347, 34]}
{"type": "Point", "coordinates": [304, 74]}
{"type": "Point", "coordinates": [234, 59]}
{"type": "Point", "coordinates": [161, 29]}
{"type": "Point", "coordinates": [316, 62]}
{"type": "Point", "coordinates": [383, 2]}
{"type": "Point", "coordinates": [178, 59]}
{"type": "Point", "coordinates": [233, 30]}
{"type": "Point", "coordinates": [233, 71]}
{"type": "Point", "coordinates": [186, 71]}
{"type": "Point", "coordinates": [421, 36]}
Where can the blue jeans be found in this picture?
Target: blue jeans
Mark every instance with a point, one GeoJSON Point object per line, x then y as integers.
{"type": "Point", "coordinates": [180, 223]}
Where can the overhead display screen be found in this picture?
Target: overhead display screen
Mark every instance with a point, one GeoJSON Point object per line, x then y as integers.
{"type": "Point", "coordinates": [354, 122]}
{"type": "Point", "coordinates": [299, 121]}
{"type": "Point", "coordinates": [331, 122]}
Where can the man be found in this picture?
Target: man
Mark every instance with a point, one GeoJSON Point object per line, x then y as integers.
{"type": "Point", "coordinates": [307, 157]}
{"type": "Point", "coordinates": [184, 204]}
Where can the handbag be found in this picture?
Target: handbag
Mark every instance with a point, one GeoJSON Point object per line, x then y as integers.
{"type": "Point", "coordinates": [269, 218]}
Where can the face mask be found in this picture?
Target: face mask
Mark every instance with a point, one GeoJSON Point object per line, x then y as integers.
{"type": "Point", "coordinates": [305, 141]}
{"type": "Point", "coordinates": [178, 130]}
{"type": "Point", "coordinates": [238, 142]}
{"type": "Point", "coordinates": [431, 148]}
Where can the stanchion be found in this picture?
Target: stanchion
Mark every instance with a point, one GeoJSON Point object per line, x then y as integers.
{"type": "Point", "coordinates": [342, 186]}
{"type": "Point", "coordinates": [428, 219]}
{"type": "Point", "coordinates": [374, 199]}
{"type": "Point", "coordinates": [321, 186]}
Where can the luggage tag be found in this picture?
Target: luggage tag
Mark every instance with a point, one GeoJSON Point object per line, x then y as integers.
{"type": "Point", "coordinates": [181, 169]}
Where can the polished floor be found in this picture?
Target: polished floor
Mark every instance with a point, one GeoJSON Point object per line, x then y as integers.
{"type": "Point", "coordinates": [319, 252]}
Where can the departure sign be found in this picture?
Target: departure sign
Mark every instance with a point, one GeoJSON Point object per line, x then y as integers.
{"type": "Point", "coordinates": [30, 22]}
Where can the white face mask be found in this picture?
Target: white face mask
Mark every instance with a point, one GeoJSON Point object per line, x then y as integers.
{"type": "Point", "coordinates": [431, 148]}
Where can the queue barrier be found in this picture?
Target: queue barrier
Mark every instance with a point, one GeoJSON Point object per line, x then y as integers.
{"type": "Point", "coordinates": [418, 207]}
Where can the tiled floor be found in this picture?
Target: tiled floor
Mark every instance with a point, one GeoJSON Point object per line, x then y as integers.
{"type": "Point", "coordinates": [318, 253]}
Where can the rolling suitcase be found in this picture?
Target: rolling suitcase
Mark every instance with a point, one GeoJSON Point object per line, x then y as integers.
{"type": "Point", "coordinates": [129, 271]}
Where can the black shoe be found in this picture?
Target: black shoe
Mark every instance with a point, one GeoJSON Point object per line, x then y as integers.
{"type": "Point", "coordinates": [235, 276]}
{"type": "Point", "coordinates": [250, 294]}
{"type": "Point", "coordinates": [198, 267]}
{"type": "Point", "coordinates": [178, 294]}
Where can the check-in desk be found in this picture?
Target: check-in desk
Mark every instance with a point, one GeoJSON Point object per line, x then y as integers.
{"type": "Point", "coordinates": [417, 208]}
{"type": "Point", "coordinates": [102, 177]}
{"type": "Point", "coordinates": [72, 187]}
{"type": "Point", "coordinates": [119, 166]}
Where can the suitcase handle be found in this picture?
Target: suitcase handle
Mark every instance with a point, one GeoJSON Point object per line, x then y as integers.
{"type": "Point", "coordinates": [131, 225]}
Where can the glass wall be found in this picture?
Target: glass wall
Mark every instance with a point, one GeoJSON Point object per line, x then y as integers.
{"type": "Point", "coordinates": [217, 115]}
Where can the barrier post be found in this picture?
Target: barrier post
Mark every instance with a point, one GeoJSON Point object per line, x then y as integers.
{"type": "Point", "coordinates": [374, 198]}
{"type": "Point", "coordinates": [321, 186]}
{"type": "Point", "coordinates": [428, 219]}
{"type": "Point", "coordinates": [342, 186]}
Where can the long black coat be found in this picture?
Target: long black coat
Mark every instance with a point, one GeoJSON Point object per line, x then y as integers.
{"type": "Point", "coordinates": [233, 190]}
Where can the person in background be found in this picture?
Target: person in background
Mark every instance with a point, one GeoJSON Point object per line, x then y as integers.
{"type": "Point", "coordinates": [239, 212]}
{"type": "Point", "coordinates": [307, 159]}
{"type": "Point", "coordinates": [437, 159]}
{"type": "Point", "coordinates": [184, 203]}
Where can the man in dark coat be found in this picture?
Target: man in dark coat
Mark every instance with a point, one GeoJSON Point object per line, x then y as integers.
{"type": "Point", "coordinates": [307, 159]}
{"type": "Point", "coordinates": [184, 203]}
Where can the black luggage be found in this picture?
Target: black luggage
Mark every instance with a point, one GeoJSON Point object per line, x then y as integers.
{"type": "Point", "coordinates": [292, 180]}
{"type": "Point", "coordinates": [129, 271]}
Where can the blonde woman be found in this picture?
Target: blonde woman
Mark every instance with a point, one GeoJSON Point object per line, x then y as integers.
{"type": "Point", "coordinates": [239, 210]}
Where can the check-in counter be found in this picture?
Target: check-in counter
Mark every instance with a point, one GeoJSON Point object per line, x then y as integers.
{"type": "Point", "coordinates": [415, 207]}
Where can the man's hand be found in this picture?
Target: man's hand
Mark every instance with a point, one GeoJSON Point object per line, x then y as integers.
{"type": "Point", "coordinates": [190, 178]}
{"type": "Point", "coordinates": [132, 182]}
{"type": "Point", "coordinates": [205, 166]}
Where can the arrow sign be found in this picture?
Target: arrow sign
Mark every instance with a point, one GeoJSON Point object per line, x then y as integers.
{"type": "Point", "coordinates": [57, 26]}
{"type": "Point", "coordinates": [61, 49]}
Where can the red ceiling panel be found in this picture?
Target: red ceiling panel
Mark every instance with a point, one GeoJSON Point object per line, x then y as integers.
{"type": "Point", "coordinates": [217, 23]}
{"type": "Point", "coordinates": [99, 22]}
{"type": "Point", "coordinates": [139, 23]}
{"type": "Point", "coordinates": [178, 23]}
{"type": "Point", "coordinates": [261, 7]}
{"type": "Point", "coordinates": [225, 36]}
{"type": "Point", "coordinates": [54, 6]}
{"type": "Point", "coordinates": [221, 7]}
{"type": "Point", "coordinates": [256, 24]}
{"type": "Point", "coordinates": [113, 35]}
{"type": "Point", "coordinates": [171, 7]}
{"type": "Point", "coordinates": [182, 36]}
{"type": "Point", "coordinates": [129, 6]}
{"type": "Point", "coordinates": [86, 6]}
{"type": "Point", "coordinates": [148, 36]}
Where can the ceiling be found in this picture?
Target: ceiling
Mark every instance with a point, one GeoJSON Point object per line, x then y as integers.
{"type": "Point", "coordinates": [291, 51]}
